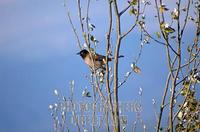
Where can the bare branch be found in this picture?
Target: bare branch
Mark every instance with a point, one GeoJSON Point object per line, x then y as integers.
{"type": "Point", "coordinates": [186, 18]}
{"type": "Point", "coordinates": [136, 21]}
{"type": "Point", "coordinates": [123, 11]}
{"type": "Point", "coordinates": [74, 30]}
{"type": "Point", "coordinates": [87, 22]}
{"type": "Point", "coordinates": [80, 15]}
{"type": "Point", "coordinates": [162, 106]}
{"type": "Point", "coordinates": [115, 87]}
{"type": "Point", "coordinates": [108, 35]}
{"type": "Point", "coordinates": [171, 105]}
{"type": "Point", "coordinates": [162, 43]}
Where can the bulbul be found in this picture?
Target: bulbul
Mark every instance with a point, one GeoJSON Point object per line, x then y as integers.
{"type": "Point", "coordinates": [99, 60]}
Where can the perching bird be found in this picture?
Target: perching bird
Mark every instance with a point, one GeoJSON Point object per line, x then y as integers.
{"type": "Point", "coordinates": [99, 60]}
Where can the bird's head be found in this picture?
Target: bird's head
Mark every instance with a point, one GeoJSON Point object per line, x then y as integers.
{"type": "Point", "coordinates": [83, 53]}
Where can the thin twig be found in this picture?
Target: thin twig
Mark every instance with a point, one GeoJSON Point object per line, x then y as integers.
{"type": "Point", "coordinates": [162, 106]}
{"type": "Point", "coordinates": [80, 15]}
{"type": "Point", "coordinates": [74, 30]}
{"type": "Point", "coordinates": [136, 21]}
{"type": "Point", "coordinates": [123, 11]}
{"type": "Point", "coordinates": [186, 18]}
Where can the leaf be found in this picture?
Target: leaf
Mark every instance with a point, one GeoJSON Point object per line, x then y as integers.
{"type": "Point", "coordinates": [191, 18]}
{"type": "Point", "coordinates": [180, 115]}
{"type": "Point", "coordinates": [88, 94]}
{"type": "Point", "coordinates": [198, 30]}
{"type": "Point", "coordinates": [85, 93]}
{"type": "Point", "coordinates": [158, 35]}
{"type": "Point", "coordinates": [166, 28]}
{"type": "Point", "coordinates": [91, 26]}
{"type": "Point", "coordinates": [133, 11]}
{"type": "Point", "coordinates": [142, 24]}
{"type": "Point", "coordinates": [184, 9]}
{"type": "Point", "coordinates": [189, 49]}
{"type": "Point", "coordinates": [175, 14]}
{"type": "Point", "coordinates": [163, 8]}
{"type": "Point", "coordinates": [143, 16]}
{"type": "Point", "coordinates": [133, 2]}
{"type": "Point", "coordinates": [93, 39]}
{"type": "Point", "coordinates": [186, 86]}
{"type": "Point", "coordinates": [135, 68]}
{"type": "Point", "coordinates": [169, 30]}
{"type": "Point", "coordinates": [196, 40]}
{"type": "Point", "coordinates": [162, 25]}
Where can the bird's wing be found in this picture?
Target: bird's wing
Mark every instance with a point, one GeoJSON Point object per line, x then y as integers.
{"type": "Point", "coordinates": [98, 57]}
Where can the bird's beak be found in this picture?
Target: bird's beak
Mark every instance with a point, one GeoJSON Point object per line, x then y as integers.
{"type": "Point", "coordinates": [78, 53]}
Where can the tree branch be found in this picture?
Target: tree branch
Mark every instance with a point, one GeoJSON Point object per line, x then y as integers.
{"type": "Point", "coordinates": [162, 106]}
{"type": "Point", "coordinates": [136, 21]}
{"type": "Point", "coordinates": [108, 35]}
{"type": "Point", "coordinates": [115, 87]}
{"type": "Point", "coordinates": [123, 11]}
{"type": "Point", "coordinates": [74, 30]}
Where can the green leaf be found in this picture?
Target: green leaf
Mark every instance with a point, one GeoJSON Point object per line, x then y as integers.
{"type": "Point", "coordinates": [163, 8]}
{"type": "Point", "coordinates": [186, 86]}
{"type": "Point", "coordinates": [166, 28]}
{"type": "Point", "coordinates": [175, 14]}
{"type": "Point", "coordinates": [169, 30]}
{"type": "Point", "coordinates": [162, 25]}
{"type": "Point", "coordinates": [133, 11]}
{"type": "Point", "coordinates": [158, 35]}
{"type": "Point", "coordinates": [133, 2]}
{"type": "Point", "coordinates": [180, 115]}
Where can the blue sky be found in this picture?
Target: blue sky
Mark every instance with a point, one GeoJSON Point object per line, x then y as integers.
{"type": "Point", "coordinates": [38, 54]}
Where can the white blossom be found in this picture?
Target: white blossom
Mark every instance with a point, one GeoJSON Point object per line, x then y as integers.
{"type": "Point", "coordinates": [132, 65]}
{"type": "Point", "coordinates": [166, 25]}
{"type": "Point", "coordinates": [85, 130]}
{"type": "Point", "coordinates": [51, 107]}
{"type": "Point", "coordinates": [72, 82]}
{"type": "Point", "coordinates": [153, 101]}
{"type": "Point", "coordinates": [84, 92]}
{"type": "Point", "coordinates": [56, 92]}
{"type": "Point", "coordinates": [140, 91]}
{"type": "Point", "coordinates": [127, 74]}
{"type": "Point", "coordinates": [85, 45]}
{"type": "Point", "coordinates": [56, 105]}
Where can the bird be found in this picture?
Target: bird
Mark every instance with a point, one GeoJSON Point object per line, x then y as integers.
{"type": "Point", "coordinates": [98, 60]}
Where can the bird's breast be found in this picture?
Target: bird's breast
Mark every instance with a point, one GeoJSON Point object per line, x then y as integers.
{"type": "Point", "coordinates": [89, 62]}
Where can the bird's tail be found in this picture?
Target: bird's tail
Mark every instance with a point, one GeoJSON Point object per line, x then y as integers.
{"type": "Point", "coordinates": [120, 56]}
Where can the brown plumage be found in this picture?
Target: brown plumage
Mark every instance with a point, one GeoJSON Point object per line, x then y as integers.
{"type": "Point", "coordinates": [99, 60]}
